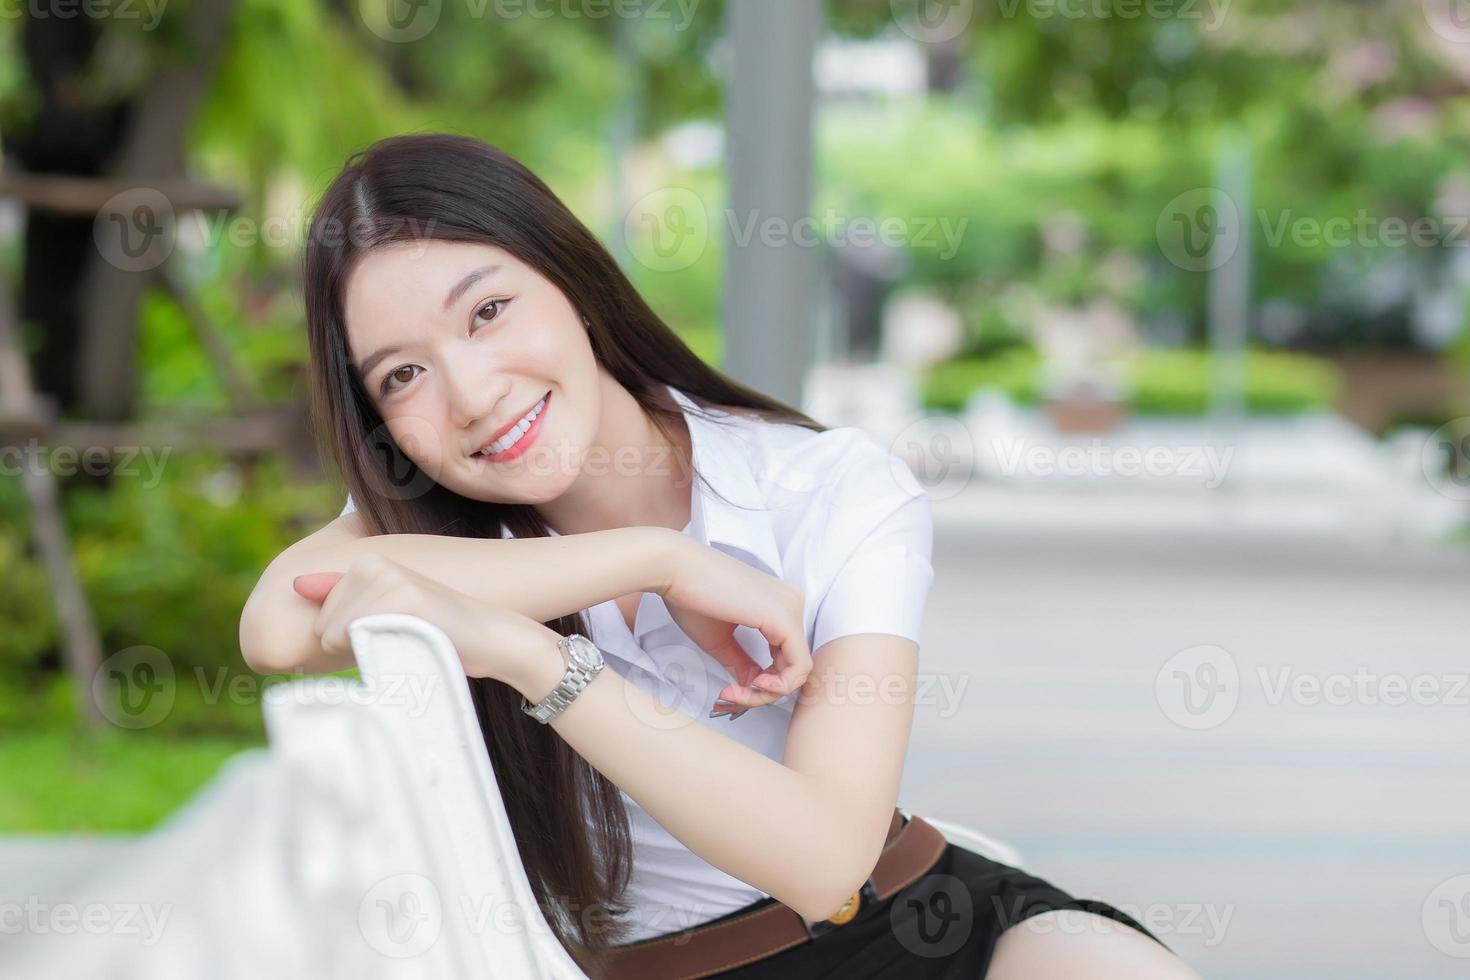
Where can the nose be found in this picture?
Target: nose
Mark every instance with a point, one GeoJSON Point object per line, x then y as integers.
{"type": "Point", "coordinates": [471, 391]}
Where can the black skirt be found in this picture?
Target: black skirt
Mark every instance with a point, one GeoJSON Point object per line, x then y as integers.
{"type": "Point", "coordinates": [946, 924]}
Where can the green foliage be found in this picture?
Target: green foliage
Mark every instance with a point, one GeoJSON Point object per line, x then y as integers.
{"type": "Point", "coordinates": [17, 100]}
{"type": "Point", "coordinates": [171, 564]}
{"type": "Point", "coordinates": [1315, 162]}
{"type": "Point", "coordinates": [31, 699]}
{"type": "Point", "coordinates": [1160, 381]}
{"type": "Point", "coordinates": [1016, 372]}
{"type": "Point", "coordinates": [1459, 351]}
{"type": "Point", "coordinates": [259, 323]}
{"type": "Point", "coordinates": [30, 630]}
{"type": "Point", "coordinates": [167, 555]}
{"type": "Point", "coordinates": [1000, 188]}
{"type": "Point", "coordinates": [295, 92]}
{"type": "Point", "coordinates": [175, 369]}
{"type": "Point", "coordinates": [688, 298]}
{"type": "Point", "coordinates": [1177, 382]}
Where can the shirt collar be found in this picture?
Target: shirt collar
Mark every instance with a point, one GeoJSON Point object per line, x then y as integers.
{"type": "Point", "coordinates": [735, 516]}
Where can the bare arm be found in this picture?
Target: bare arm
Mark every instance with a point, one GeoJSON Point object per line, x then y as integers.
{"type": "Point", "coordinates": [542, 578]}
{"type": "Point", "coordinates": [807, 830]}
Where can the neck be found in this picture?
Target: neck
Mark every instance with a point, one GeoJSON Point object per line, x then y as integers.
{"type": "Point", "coordinates": [633, 476]}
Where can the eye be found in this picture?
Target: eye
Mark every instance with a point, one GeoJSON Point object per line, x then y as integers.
{"type": "Point", "coordinates": [489, 310]}
{"type": "Point", "coordinates": [397, 374]}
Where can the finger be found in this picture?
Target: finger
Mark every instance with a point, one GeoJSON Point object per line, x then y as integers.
{"type": "Point", "coordinates": [775, 683]}
{"type": "Point", "coordinates": [790, 662]}
{"type": "Point", "coordinates": [770, 688]}
{"type": "Point", "coordinates": [328, 619]}
{"type": "Point", "coordinates": [315, 586]}
{"type": "Point", "coordinates": [754, 694]}
{"type": "Point", "coordinates": [744, 697]}
{"type": "Point", "coordinates": [785, 677]}
{"type": "Point", "coordinates": [339, 616]}
{"type": "Point", "coordinates": [743, 669]}
{"type": "Point", "coordinates": [790, 666]}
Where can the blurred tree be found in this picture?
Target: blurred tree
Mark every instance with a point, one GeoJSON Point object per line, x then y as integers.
{"type": "Point", "coordinates": [72, 128]}
{"type": "Point", "coordinates": [91, 119]}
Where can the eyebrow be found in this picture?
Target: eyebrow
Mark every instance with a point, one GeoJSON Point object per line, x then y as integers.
{"type": "Point", "coordinates": [469, 280]}
{"type": "Point", "coordinates": [372, 359]}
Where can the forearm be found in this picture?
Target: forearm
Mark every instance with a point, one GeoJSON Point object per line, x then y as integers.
{"type": "Point", "coordinates": [773, 827]}
{"type": "Point", "coordinates": [542, 578]}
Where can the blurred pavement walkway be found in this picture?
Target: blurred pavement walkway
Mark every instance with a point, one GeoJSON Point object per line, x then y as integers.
{"type": "Point", "coordinates": [1310, 823]}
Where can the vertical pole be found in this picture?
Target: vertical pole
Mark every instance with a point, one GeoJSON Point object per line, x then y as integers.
{"type": "Point", "coordinates": [1229, 287]}
{"type": "Point", "coordinates": [767, 304]}
{"type": "Point", "coordinates": [81, 647]}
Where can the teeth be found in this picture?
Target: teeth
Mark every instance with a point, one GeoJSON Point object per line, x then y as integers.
{"type": "Point", "coordinates": [514, 435]}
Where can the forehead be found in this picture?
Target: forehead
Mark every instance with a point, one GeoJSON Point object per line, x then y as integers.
{"type": "Point", "coordinates": [404, 284]}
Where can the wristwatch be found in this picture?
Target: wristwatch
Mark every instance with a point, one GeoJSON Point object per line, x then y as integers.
{"type": "Point", "coordinates": [584, 662]}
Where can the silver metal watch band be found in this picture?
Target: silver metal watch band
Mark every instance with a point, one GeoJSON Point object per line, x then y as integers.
{"type": "Point", "coordinates": [572, 683]}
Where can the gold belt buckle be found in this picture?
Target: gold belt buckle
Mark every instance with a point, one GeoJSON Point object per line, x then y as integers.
{"type": "Point", "coordinates": [849, 911]}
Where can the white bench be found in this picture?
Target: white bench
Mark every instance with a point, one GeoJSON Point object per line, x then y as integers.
{"type": "Point", "coordinates": [369, 840]}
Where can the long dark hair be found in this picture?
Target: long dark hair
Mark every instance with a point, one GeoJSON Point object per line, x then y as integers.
{"type": "Point", "coordinates": [455, 188]}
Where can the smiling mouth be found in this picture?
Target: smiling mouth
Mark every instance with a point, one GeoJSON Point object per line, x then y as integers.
{"type": "Point", "coordinates": [518, 435]}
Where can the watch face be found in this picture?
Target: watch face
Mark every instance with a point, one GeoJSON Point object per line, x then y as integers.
{"type": "Point", "coordinates": [584, 651]}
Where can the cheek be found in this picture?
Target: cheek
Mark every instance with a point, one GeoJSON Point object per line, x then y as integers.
{"type": "Point", "coordinates": [555, 343]}
{"type": "Point", "coordinates": [418, 437]}
{"type": "Point", "coordinates": [539, 352]}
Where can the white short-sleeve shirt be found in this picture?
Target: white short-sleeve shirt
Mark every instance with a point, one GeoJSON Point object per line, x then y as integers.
{"type": "Point", "coordinates": [831, 511]}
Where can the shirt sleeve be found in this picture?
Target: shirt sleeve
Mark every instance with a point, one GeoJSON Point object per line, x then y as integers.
{"type": "Point", "coordinates": [880, 538]}
{"type": "Point", "coordinates": [349, 507]}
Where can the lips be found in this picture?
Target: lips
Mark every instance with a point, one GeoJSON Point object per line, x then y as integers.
{"type": "Point", "coordinates": [539, 406]}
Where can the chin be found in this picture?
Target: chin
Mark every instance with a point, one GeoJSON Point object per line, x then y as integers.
{"type": "Point", "coordinates": [523, 489]}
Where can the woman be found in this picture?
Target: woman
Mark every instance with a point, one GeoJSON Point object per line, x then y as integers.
{"type": "Point", "coordinates": [533, 457]}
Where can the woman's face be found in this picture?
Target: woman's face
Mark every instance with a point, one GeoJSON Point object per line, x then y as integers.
{"type": "Point", "coordinates": [454, 342]}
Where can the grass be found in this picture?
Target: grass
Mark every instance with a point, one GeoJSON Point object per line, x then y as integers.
{"type": "Point", "coordinates": [115, 782]}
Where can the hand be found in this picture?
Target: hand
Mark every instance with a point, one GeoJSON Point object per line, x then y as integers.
{"type": "Point", "coordinates": [491, 641]}
{"type": "Point", "coordinates": [708, 593]}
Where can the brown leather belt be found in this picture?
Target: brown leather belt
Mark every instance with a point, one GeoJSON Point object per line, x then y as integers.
{"type": "Point", "coordinates": [912, 848]}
